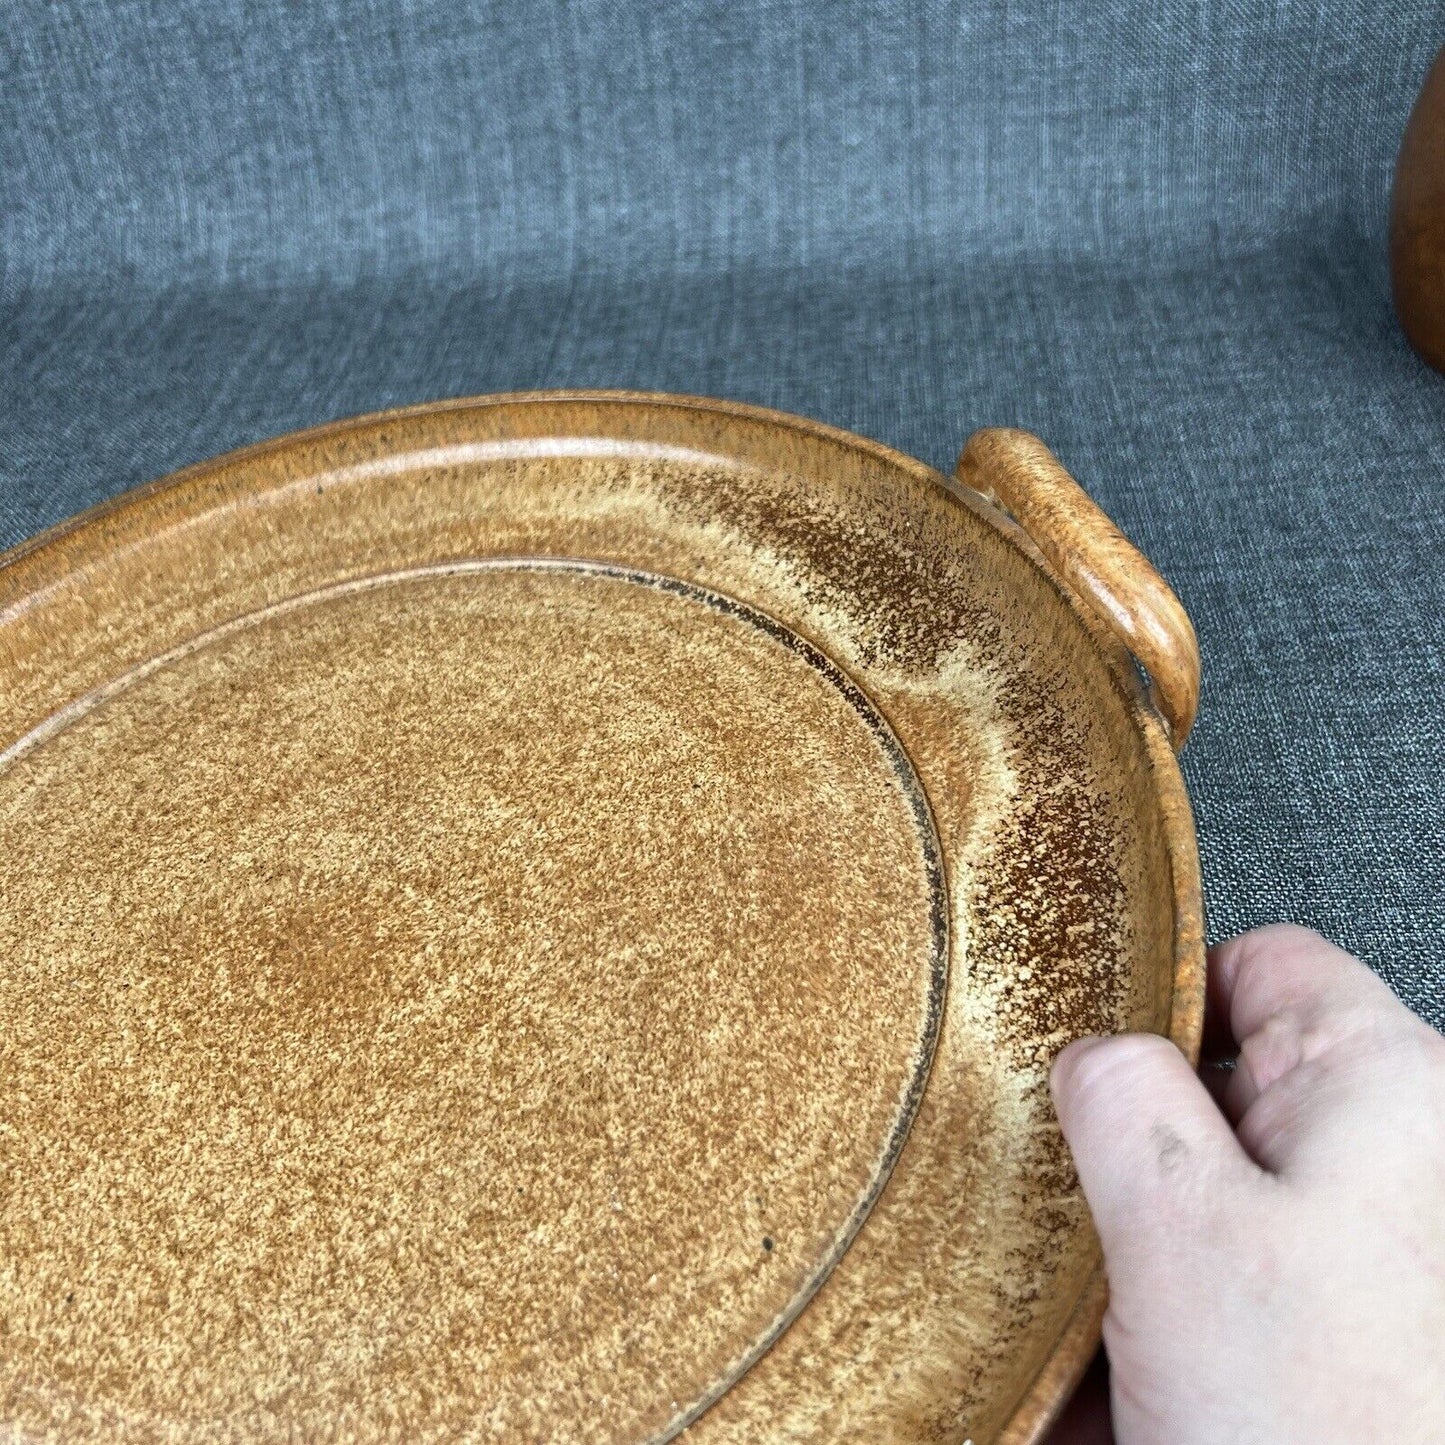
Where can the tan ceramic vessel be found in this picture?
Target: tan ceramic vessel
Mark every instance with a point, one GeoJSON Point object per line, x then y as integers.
{"type": "Point", "coordinates": [547, 918]}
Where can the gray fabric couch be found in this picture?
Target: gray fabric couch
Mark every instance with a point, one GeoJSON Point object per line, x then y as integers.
{"type": "Point", "coordinates": [1153, 234]}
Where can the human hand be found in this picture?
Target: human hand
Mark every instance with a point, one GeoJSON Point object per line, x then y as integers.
{"type": "Point", "coordinates": [1282, 1280]}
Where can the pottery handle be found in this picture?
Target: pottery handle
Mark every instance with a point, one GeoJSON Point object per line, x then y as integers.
{"type": "Point", "coordinates": [1018, 472]}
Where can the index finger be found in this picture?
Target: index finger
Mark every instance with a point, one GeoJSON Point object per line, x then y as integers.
{"type": "Point", "coordinates": [1286, 972]}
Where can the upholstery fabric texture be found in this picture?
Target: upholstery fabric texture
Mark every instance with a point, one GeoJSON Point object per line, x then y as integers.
{"type": "Point", "coordinates": [1155, 235]}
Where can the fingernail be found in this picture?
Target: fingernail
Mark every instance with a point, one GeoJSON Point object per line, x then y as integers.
{"type": "Point", "coordinates": [1068, 1060]}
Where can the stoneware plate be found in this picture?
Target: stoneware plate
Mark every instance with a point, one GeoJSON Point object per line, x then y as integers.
{"type": "Point", "coordinates": [546, 918]}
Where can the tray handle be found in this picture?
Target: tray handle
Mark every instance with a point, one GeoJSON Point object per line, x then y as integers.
{"type": "Point", "coordinates": [1016, 471]}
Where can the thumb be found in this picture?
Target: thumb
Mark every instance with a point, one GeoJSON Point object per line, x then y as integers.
{"type": "Point", "coordinates": [1148, 1142]}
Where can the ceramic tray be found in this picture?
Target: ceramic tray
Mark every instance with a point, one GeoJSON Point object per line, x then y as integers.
{"type": "Point", "coordinates": [546, 918]}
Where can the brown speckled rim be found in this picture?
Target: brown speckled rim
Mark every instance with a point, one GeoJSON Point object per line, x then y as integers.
{"type": "Point", "coordinates": [1041, 1402]}
{"type": "Point", "coordinates": [1052, 1387]}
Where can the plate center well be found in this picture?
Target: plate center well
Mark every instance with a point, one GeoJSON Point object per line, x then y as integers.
{"type": "Point", "coordinates": [493, 994]}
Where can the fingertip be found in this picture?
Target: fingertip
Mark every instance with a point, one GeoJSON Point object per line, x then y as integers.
{"type": "Point", "coordinates": [1068, 1062]}
{"type": "Point", "coordinates": [1228, 957]}
{"type": "Point", "coordinates": [1092, 1052]}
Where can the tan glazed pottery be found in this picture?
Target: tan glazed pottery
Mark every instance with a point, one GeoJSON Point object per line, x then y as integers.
{"type": "Point", "coordinates": [546, 918]}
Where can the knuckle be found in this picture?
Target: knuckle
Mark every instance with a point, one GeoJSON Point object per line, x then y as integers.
{"type": "Point", "coordinates": [1271, 1051]}
{"type": "Point", "coordinates": [1267, 948]}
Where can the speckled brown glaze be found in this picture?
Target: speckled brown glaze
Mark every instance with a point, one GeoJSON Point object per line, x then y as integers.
{"type": "Point", "coordinates": [476, 890]}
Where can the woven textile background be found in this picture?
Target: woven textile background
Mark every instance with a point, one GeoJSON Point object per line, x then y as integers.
{"type": "Point", "coordinates": [1152, 233]}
